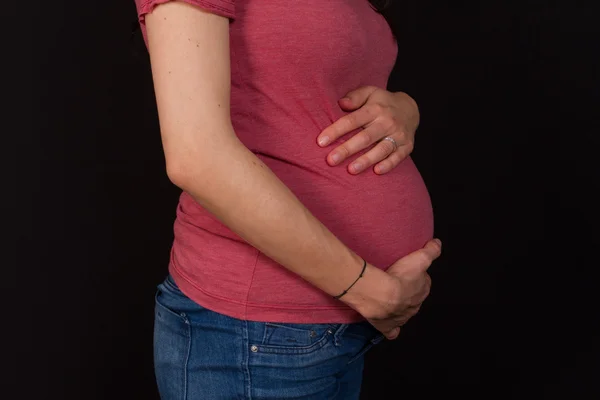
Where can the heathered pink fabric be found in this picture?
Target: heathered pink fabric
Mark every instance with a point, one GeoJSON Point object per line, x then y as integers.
{"type": "Point", "coordinates": [290, 63]}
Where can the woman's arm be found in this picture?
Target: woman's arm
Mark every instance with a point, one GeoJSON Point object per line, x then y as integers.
{"type": "Point", "coordinates": [189, 51]}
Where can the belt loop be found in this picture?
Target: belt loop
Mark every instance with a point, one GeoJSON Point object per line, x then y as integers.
{"type": "Point", "coordinates": [338, 333]}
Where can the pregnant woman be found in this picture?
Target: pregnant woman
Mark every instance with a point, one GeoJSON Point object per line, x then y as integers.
{"type": "Point", "coordinates": [287, 264]}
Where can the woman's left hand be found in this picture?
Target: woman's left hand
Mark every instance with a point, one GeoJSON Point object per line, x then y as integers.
{"type": "Point", "coordinates": [381, 114]}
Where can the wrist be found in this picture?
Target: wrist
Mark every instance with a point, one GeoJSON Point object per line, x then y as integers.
{"type": "Point", "coordinates": [371, 293]}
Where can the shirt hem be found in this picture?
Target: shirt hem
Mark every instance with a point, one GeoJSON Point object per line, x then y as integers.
{"type": "Point", "coordinates": [262, 312]}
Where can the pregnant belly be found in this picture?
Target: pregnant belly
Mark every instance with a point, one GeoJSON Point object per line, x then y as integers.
{"type": "Point", "coordinates": [380, 217]}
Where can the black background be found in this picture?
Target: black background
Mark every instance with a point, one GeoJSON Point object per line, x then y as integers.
{"type": "Point", "coordinates": [509, 97]}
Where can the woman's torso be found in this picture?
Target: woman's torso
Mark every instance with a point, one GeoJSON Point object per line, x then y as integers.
{"type": "Point", "coordinates": [290, 63]}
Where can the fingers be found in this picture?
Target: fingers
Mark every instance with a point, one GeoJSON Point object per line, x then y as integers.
{"type": "Point", "coordinates": [394, 158]}
{"type": "Point", "coordinates": [347, 124]}
{"type": "Point", "coordinates": [393, 334]}
{"type": "Point", "coordinates": [384, 150]}
{"type": "Point", "coordinates": [422, 295]}
{"type": "Point", "coordinates": [388, 328]}
{"type": "Point", "coordinates": [360, 141]}
{"type": "Point", "coordinates": [357, 98]}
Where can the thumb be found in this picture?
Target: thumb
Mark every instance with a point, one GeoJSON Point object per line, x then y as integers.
{"type": "Point", "coordinates": [356, 98]}
{"type": "Point", "coordinates": [420, 259]}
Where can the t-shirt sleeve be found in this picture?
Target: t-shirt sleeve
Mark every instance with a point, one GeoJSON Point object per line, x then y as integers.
{"type": "Point", "coordinates": [225, 8]}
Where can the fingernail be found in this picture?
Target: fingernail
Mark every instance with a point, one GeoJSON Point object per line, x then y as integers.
{"type": "Point", "coordinates": [356, 167]}
{"type": "Point", "coordinates": [438, 241]}
{"type": "Point", "coordinates": [381, 169]}
{"type": "Point", "coordinates": [323, 141]}
{"type": "Point", "coordinates": [335, 158]}
{"type": "Point", "coordinates": [345, 98]}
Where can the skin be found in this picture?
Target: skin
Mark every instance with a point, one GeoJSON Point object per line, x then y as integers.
{"type": "Point", "coordinates": [379, 113]}
{"type": "Point", "coordinates": [189, 54]}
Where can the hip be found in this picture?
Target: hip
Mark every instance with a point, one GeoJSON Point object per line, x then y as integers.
{"type": "Point", "coordinates": [199, 353]}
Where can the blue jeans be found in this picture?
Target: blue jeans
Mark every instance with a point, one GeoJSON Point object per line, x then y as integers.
{"type": "Point", "coordinates": [202, 355]}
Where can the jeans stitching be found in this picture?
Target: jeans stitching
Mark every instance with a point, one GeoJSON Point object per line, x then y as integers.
{"type": "Point", "coordinates": [265, 330]}
{"type": "Point", "coordinates": [306, 328]}
{"type": "Point", "coordinates": [276, 349]}
{"type": "Point", "coordinates": [246, 360]}
{"type": "Point", "coordinates": [187, 358]}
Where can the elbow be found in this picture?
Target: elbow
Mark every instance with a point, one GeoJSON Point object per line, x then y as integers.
{"type": "Point", "coordinates": [190, 171]}
{"type": "Point", "coordinates": [188, 165]}
{"type": "Point", "coordinates": [179, 174]}
{"type": "Point", "coordinates": [183, 164]}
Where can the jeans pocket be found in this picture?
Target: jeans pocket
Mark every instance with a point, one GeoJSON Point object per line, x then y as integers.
{"type": "Point", "coordinates": [172, 343]}
{"type": "Point", "coordinates": [163, 308]}
{"type": "Point", "coordinates": [292, 338]}
{"type": "Point", "coordinates": [170, 302]}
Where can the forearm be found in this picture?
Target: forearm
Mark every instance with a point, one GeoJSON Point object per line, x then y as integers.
{"type": "Point", "coordinates": [243, 193]}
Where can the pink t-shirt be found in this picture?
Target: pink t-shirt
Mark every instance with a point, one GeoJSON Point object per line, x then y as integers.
{"type": "Point", "coordinates": [290, 63]}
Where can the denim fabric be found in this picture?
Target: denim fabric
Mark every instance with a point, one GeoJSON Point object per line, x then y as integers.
{"type": "Point", "coordinates": [202, 355]}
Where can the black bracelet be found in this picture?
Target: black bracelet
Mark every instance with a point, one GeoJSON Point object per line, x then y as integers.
{"type": "Point", "coordinates": [360, 276]}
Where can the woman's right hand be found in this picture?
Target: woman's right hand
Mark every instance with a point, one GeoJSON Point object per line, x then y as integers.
{"type": "Point", "coordinates": [388, 299]}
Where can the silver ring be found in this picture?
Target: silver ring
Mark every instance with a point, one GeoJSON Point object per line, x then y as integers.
{"type": "Point", "coordinates": [391, 139]}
